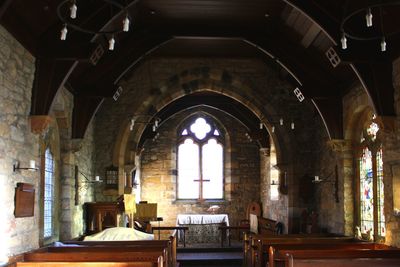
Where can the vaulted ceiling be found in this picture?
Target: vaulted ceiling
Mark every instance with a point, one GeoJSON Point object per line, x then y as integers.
{"type": "Point", "coordinates": [293, 34]}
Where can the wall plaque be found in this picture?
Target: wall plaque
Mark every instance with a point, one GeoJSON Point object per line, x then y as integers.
{"type": "Point", "coordinates": [24, 200]}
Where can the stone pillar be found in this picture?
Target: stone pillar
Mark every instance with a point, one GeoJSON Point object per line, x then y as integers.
{"type": "Point", "coordinates": [388, 134]}
{"type": "Point", "coordinates": [343, 153]}
{"type": "Point", "coordinates": [67, 193]}
{"type": "Point", "coordinates": [265, 179]}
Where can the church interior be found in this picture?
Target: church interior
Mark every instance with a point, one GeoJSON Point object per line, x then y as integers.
{"type": "Point", "coordinates": [195, 111]}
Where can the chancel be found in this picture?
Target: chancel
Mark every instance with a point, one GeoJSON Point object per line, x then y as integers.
{"type": "Point", "coordinates": [212, 127]}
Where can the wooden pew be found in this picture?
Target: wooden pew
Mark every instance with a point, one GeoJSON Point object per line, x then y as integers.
{"type": "Point", "coordinates": [258, 245]}
{"type": "Point", "coordinates": [92, 264]}
{"type": "Point", "coordinates": [276, 257]}
{"type": "Point", "coordinates": [107, 251]}
{"type": "Point", "coordinates": [342, 258]}
{"type": "Point", "coordinates": [171, 244]}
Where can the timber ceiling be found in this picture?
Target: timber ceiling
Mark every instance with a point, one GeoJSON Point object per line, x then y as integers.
{"type": "Point", "coordinates": [294, 34]}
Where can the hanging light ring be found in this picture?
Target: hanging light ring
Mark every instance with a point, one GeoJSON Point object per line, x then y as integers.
{"type": "Point", "coordinates": [64, 5]}
{"type": "Point", "coordinates": [357, 12]}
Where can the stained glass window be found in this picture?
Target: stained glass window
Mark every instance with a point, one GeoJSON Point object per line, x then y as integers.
{"type": "Point", "coordinates": [368, 200]}
{"type": "Point", "coordinates": [366, 187]}
{"type": "Point", "coordinates": [381, 215]}
{"type": "Point", "coordinates": [200, 161]}
{"type": "Point", "coordinates": [48, 194]}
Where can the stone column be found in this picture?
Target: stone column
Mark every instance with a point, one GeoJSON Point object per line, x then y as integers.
{"type": "Point", "coordinates": [343, 153]}
{"type": "Point", "coordinates": [265, 179]}
{"type": "Point", "coordinates": [68, 191]}
{"type": "Point", "coordinates": [388, 134]}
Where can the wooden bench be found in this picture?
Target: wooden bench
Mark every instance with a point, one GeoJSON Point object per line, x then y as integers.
{"type": "Point", "coordinates": [92, 264]}
{"type": "Point", "coordinates": [170, 244]}
{"type": "Point", "coordinates": [276, 255]}
{"type": "Point", "coordinates": [256, 246]}
{"type": "Point", "coordinates": [342, 258]}
{"type": "Point", "coordinates": [114, 253]}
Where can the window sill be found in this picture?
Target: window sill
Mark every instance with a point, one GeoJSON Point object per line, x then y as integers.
{"type": "Point", "coordinates": [196, 201]}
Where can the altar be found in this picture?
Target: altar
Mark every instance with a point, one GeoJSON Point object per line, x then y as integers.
{"type": "Point", "coordinates": [203, 228]}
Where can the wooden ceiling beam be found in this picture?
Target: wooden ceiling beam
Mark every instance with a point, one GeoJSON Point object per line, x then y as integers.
{"type": "Point", "coordinates": [310, 35]}
{"type": "Point", "coordinates": [331, 112]}
{"type": "Point", "coordinates": [50, 76]}
{"type": "Point", "coordinates": [83, 112]}
{"type": "Point", "coordinates": [4, 7]}
{"type": "Point", "coordinates": [328, 23]}
{"type": "Point", "coordinates": [376, 77]}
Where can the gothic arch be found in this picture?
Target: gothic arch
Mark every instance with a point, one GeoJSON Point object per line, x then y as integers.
{"type": "Point", "coordinates": [185, 83]}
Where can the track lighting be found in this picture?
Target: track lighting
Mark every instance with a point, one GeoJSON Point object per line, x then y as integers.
{"type": "Point", "coordinates": [64, 32]}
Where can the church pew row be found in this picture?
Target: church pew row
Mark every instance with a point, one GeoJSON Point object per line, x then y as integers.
{"type": "Point", "coordinates": [342, 258]}
{"type": "Point", "coordinates": [108, 251]}
{"type": "Point", "coordinates": [276, 257]}
{"type": "Point", "coordinates": [171, 245]}
{"type": "Point", "coordinates": [103, 254]}
{"type": "Point", "coordinates": [256, 246]}
{"type": "Point", "coordinates": [159, 263]}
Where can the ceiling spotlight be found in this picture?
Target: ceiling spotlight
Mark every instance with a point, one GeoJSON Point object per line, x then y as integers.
{"type": "Point", "coordinates": [383, 44]}
{"type": "Point", "coordinates": [64, 32]}
{"type": "Point", "coordinates": [292, 125]}
{"type": "Point", "coordinates": [111, 43]}
{"type": "Point", "coordinates": [125, 23]}
{"type": "Point", "coordinates": [73, 10]}
{"type": "Point", "coordinates": [261, 125]}
{"type": "Point", "coordinates": [281, 121]}
{"type": "Point", "coordinates": [368, 17]}
{"type": "Point", "coordinates": [132, 124]}
{"type": "Point", "coordinates": [343, 40]}
{"type": "Point", "coordinates": [273, 129]}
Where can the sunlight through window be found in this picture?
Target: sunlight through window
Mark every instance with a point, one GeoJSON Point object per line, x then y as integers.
{"type": "Point", "coordinates": [200, 162]}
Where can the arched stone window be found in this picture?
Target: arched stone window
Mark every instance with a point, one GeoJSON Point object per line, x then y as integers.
{"type": "Point", "coordinates": [200, 160]}
{"type": "Point", "coordinates": [371, 196]}
{"type": "Point", "coordinates": [48, 193]}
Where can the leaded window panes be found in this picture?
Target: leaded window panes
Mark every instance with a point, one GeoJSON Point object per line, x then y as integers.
{"type": "Point", "coordinates": [381, 215]}
{"type": "Point", "coordinates": [366, 187]}
{"type": "Point", "coordinates": [371, 202]}
{"type": "Point", "coordinates": [200, 161]}
{"type": "Point", "coordinates": [48, 194]}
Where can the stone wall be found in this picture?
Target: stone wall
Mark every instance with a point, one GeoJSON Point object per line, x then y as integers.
{"type": "Point", "coordinates": [74, 153]}
{"type": "Point", "coordinates": [158, 168]}
{"type": "Point", "coordinates": [158, 81]}
{"type": "Point", "coordinates": [391, 159]}
{"type": "Point", "coordinates": [16, 143]}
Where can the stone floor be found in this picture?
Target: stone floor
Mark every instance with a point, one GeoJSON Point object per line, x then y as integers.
{"type": "Point", "coordinates": [210, 254]}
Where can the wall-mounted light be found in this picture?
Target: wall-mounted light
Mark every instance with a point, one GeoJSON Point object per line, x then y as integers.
{"type": "Point", "coordinates": [32, 166]}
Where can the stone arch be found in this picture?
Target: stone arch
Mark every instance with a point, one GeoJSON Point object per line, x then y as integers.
{"type": "Point", "coordinates": [187, 82]}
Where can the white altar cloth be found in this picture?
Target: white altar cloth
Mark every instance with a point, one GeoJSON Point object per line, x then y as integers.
{"type": "Point", "coordinates": [203, 228]}
{"type": "Point", "coordinates": [202, 219]}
